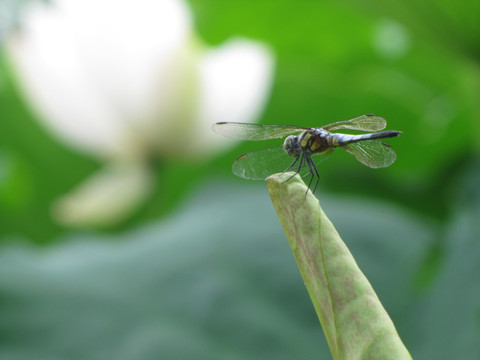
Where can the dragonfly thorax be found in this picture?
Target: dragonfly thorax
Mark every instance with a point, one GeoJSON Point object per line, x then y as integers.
{"type": "Point", "coordinates": [291, 146]}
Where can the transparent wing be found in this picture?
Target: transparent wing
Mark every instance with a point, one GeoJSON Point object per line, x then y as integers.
{"type": "Point", "coordinates": [258, 165]}
{"type": "Point", "coordinates": [255, 132]}
{"type": "Point", "coordinates": [374, 153]}
{"type": "Point", "coordinates": [368, 122]}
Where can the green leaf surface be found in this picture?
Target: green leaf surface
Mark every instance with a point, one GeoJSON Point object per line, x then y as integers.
{"type": "Point", "coordinates": [216, 280]}
{"type": "Point", "coordinates": [354, 321]}
{"type": "Point", "coordinates": [453, 301]}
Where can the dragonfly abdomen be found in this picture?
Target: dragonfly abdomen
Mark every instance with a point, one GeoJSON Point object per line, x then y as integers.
{"type": "Point", "coordinates": [345, 139]}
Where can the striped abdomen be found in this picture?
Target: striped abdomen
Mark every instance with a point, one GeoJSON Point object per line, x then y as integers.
{"type": "Point", "coordinates": [336, 140]}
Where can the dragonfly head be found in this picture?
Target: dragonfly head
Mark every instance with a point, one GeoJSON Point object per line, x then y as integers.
{"type": "Point", "coordinates": [291, 146]}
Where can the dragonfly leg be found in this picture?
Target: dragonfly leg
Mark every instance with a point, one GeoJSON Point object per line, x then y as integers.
{"type": "Point", "coordinates": [307, 175]}
{"type": "Point", "coordinates": [300, 166]}
{"type": "Point", "coordinates": [292, 164]}
{"type": "Point", "coordinates": [311, 167]}
{"type": "Point", "coordinates": [309, 163]}
{"type": "Point", "coordinates": [316, 173]}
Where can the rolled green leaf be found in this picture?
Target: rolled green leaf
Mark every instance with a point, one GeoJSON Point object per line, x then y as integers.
{"type": "Point", "coordinates": [354, 321]}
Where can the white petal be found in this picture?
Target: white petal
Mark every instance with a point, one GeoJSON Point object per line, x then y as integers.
{"type": "Point", "coordinates": [90, 67]}
{"type": "Point", "coordinates": [106, 197]}
{"type": "Point", "coordinates": [235, 81]}
{"type": "Point", "coordinates": [234, 84]}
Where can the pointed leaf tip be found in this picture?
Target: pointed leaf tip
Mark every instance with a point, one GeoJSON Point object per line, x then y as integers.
{"type": "Point", "coordinates": [354, 321]}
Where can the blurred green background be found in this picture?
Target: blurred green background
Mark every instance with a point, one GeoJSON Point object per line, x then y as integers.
{"type": "Point", "coordinates": [202, 269]}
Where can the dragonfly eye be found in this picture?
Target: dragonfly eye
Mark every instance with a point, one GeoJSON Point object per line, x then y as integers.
{"type": "Point", "coordinates": [291, 146]}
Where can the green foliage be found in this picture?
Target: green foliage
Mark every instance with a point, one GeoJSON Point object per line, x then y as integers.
{"type": "Point", "coordinates": [216, 288]}
{"type": "Point", "coordinates": [332, 64]}
{"type": "Point", "coordinates": [334, 61]}
{"type": "Point", "coordinates": [227, 286]}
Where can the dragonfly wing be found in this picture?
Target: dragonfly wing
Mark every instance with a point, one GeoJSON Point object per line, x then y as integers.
{"type": "Point", "coordinates": [255, 132]}
{"type": "Point", "coordinates": [368, 122]}
{"type": "Point", "coordinates": [318, 158]}
{"type": "Point", "coordinates": [258, 165]}
{"type": "Point", "coordinates": [374, 153]}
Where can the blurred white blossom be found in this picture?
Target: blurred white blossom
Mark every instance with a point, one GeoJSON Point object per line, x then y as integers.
{"type": "Point", "coordinates": [391, 39]}
{"type": "Point", "coordinates": [105, 196]}
{"type": "Point", "coordinates": [121, 80]}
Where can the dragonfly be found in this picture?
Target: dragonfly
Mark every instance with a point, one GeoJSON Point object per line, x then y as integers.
{"type": "Point", "coordinates": [304, 148]}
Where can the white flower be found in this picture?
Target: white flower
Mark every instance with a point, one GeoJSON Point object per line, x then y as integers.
{"type": "Point", "coordinates": [122, 79]}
